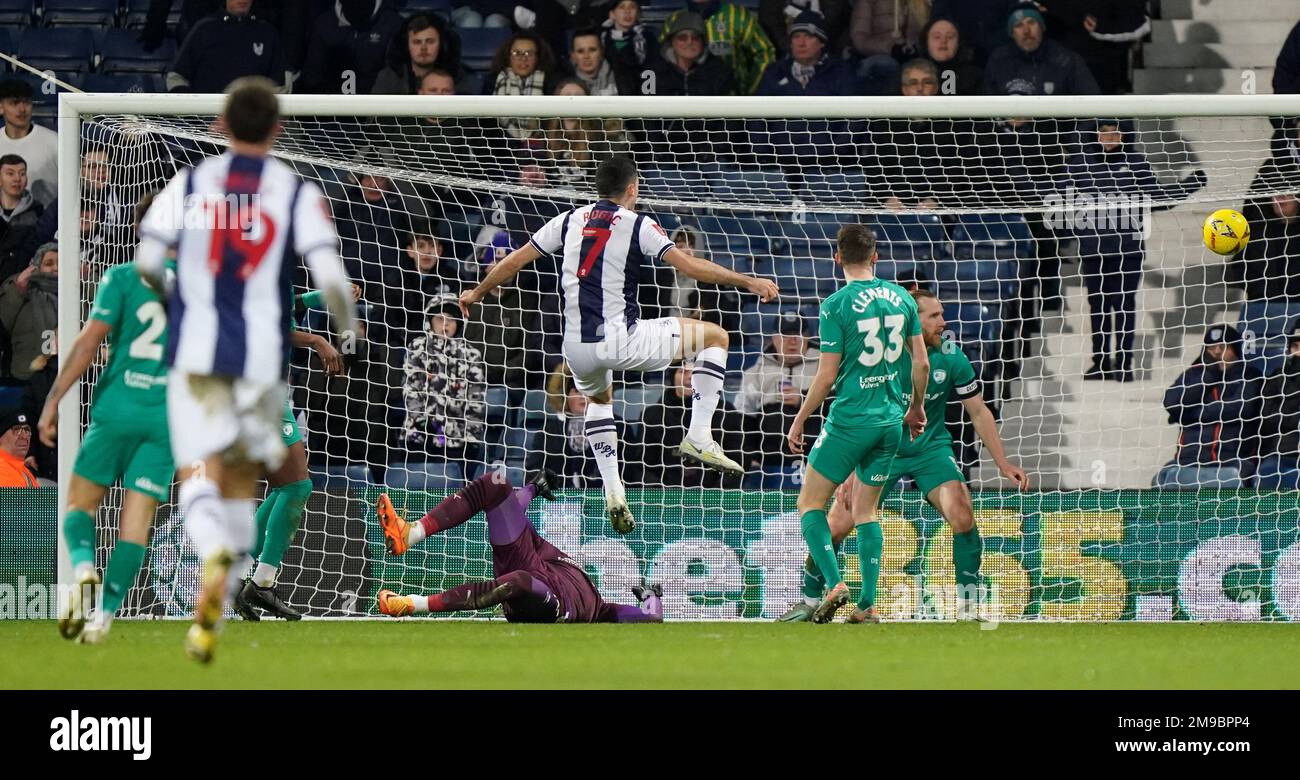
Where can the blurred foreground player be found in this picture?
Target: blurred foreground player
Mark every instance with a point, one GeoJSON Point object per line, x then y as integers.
{"type": "Point", "coordinates": [533, 581]}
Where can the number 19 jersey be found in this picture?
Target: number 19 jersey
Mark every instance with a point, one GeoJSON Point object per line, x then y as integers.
{"type": "Point", "coordinates": [134, 383]}
{"type": "Point", "coordinates": [868, 322]}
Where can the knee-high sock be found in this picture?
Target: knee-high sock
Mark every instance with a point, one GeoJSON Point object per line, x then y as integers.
{"type": "Point", "coordinates": [817, 534]}
{"type": "Point", "coordinates": [507, 520]}
{"type": "Point", "coordinates": [813, 584]}
{"type": "Point", "coordinates": [483, 493]}
{"type": "Point", "coordinates": [123, 566]}
{"type": "Point", "coordinates": [483, 594]}
{"type": "Point", "coordinates": [282, 526]}
{"type": "Point", "coordinates": [79, 533]}
{"type": "Point", "coordinates": [967, 551]}
{"type": "Point", "coordinates": [602, 437]}
{"type": "Point", "coordinates": [871, 543]}
{"type": "Point", "coordinates": [238, 515]}
{"type": "Point", "coordinates": [262, 519]}
{"type": "Point", "coordinates": [707, 377]}
{"type": "Point", "coordinates": [205, 522]}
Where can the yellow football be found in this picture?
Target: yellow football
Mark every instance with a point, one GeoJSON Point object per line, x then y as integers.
{"type": "Point", "coordinates": [1226, 232]}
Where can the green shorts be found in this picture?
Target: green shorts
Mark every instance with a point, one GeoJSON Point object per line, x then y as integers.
{"type": "Point", "coordinates": [133, 448]}
{"type": "Point", "coordinates": [836, 453]}
{"type": "Point", "coordinates": [289, 432]}
{"type": "Point", "coordinates": [928, 469]}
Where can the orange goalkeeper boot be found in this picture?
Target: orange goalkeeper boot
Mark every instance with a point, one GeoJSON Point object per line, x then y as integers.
{"type": "Point", "coordinates": [394, 605]}
{"type": "Point", "coordinates": [395, 528]}
{"type": "Point", "coordinates": [836, 598]}
{"type": "Point", "coordinates": [868, 615]}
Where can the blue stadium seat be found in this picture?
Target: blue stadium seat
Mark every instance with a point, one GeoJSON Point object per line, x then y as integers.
{"type": "Point", "coordinates": [1175, 477]}
{"type": "Point", "coordinates": [751, 185]}
{"type": "Point", "coordinates": [630, 402]}
{"type": "Point", "coordinates": [822, 186]}
{"type": "Point", "coordinates": [124, 82]}
{"type": "Point", "coordinates": [1263, 325]}
{"type": "Point", "coordinates": [992, 237]}
{"type": "Point", "coordinates": [11, 395]}
{"type": "Point", "coordinates": [120, 52]}
{"type": "Point", "coordinates": [535, 408]}
{"type": "Point", "coordinates": [1276, 473]}
{"type": "Point", "coordinates": [910, 236]}
{"type": "Point", "coordinates": [479, 46]}
{"type": "Point", "coordinates": [83, 13]}
{"type": "Point", "coordinates": [744, 236]}
{"type": "Point", "coordinates": [425, 476]}
{"type": "Point", "coordinates": [16, 12]}
{"type": "Point", "coordinates": [497, 401]}
{"type": "Point", "coordinates": [59, 49]}
{"type": "Point", "coordinates": [409, 7]}
{"type": "Point", "coordinates": [137, 12]}
{"type": "Point", "coordinates": [352, 477]}
{"type": "Point", "coordinates": [677, 183]}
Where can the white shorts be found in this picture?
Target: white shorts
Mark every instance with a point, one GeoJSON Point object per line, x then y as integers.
{"type": "Point", "coordinates": [651, 346]}
{"type": "Point", "coordinates": [211, 415]}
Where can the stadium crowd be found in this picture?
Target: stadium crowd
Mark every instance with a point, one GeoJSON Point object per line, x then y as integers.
{"type": "Point", "coordinates": [427, 387]}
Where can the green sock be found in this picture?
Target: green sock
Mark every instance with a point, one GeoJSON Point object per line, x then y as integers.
{"type": "Point", "coordinates": [79, 532]}
{"type": "Point", "coordinates": [813, 585]}
{"type": "Point", "coordinates": [284, 521]}
{"type": "Point", "coordinates": [817, 534]}
{"type": "Point", "coordinates": [263, 518]}
{"type": "Point", "coordinates": [967, 550]}
{"type": "Point", "coordinates": [123, 565]}
{"type": "Point", "coordinates": [871, 542]}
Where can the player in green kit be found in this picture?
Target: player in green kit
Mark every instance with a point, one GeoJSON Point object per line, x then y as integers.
{"type": "Point", "coordinates": [866, 327]}
{"type": "Point", "coordinates": [929, 461]}
{"type": "Point", "coordinates": [127, 440]}
{"type": "Point", "coordinates": [280, 514]}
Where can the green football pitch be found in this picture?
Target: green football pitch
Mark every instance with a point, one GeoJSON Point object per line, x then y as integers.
{"type": "Point", "coordinates": [447, 654]}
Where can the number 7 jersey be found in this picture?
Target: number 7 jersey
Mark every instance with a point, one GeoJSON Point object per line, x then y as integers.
{"type": "Point", "coordinates": [134, 383]}
{"type": "Point", "coordinates": [868, 322]}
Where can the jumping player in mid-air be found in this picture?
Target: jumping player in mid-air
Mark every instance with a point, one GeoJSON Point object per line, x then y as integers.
{"type": "Point", "coordinates": [602, 247]}
{"type": "Point", "coordinates": [533, 581]}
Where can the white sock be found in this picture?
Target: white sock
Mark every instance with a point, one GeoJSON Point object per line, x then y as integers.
{"type": "Point", "coordinates": [82, 568]}
{"type": "Point", "coordinates": [264, 575]}
{"type": "Point", "coordinates": [415, 533]}
{"type": "Point", "coordinates": [707, 376]}
{"type": "Point", "coordinates": [201, 506]}
{"type": "Point", "coordinates": [812, 602]}
{"type": "Point", "coordinates": [240, 530]}
{"type": "Point", "coordinates": [420, 603]}
{"type": "Point", "coordinates": [602, 437]}
{"type": "Point", "coordinates": [235, 576]}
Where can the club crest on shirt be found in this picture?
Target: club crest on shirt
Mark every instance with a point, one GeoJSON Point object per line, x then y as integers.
{"type": "Point", "coordinates": [940, 375]}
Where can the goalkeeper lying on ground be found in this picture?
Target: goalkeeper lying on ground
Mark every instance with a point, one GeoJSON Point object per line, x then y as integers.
{"type": "Point", "coordinates": [533, 581]}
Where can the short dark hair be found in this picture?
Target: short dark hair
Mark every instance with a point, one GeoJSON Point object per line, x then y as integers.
{"type": "Point", "coordinates": [252, 109]}
{"type": "Point", "coordinates": [920, 63]}
{"type": "Point", "coordinates": [142, 208]}
{"type": "Point", "coordinates": [614, 175]}
{"type": "Point", "coordinates": [585, 32]}
{"type": "Point", "coordinates": [421, 228]}
{"type": "Point", "coordinates": [855, 244]}
{"type": "Point", "coordinates": [16, 88]}
{"type": "Point", "coordinates": [12, 159]}
{"type": "Point", "coordinates": [436, 71]}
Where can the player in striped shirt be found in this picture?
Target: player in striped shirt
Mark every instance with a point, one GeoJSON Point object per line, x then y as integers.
{"type": "Point", "coordinates": [603, 247]}
{"type": "Point", "coordinates": [236, 222]}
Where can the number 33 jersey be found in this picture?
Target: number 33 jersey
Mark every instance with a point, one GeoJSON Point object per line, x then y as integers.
{"type": "Point", "coordinates": [238, 225]}
{"type": "Point", "coordinates": [868, 322]}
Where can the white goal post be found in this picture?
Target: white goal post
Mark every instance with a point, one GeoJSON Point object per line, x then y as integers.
{"type": "Point", "coordinates": [1094, 448]}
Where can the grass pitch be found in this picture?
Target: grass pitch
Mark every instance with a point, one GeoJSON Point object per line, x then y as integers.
{"type": "Point", "coordinates": [446, 654]}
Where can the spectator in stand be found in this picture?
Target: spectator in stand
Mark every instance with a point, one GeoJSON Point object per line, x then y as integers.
{"type": "Point", "coordinates": [225, 46]}
{"type": "Point", "coordinates": [959, 72]}
{"type": "Point", "coordinates": [523, 65]}
{"type": "Point", "coordinates": [1215, 403]}
{"type": "Point", "coordinates": [422, 44]}
{"type": "Point", "coordinates": [348, 47]}
{"type": "Point", "coordinates": [1286, 72]}
{"type": "Point", "coordinates": [505, 324]}
{"type": "Point", "coordinates": [734, 35]}
{"type": "Point", "coordinates": [1279, 424]}
{"type": "Point", "coordinates": [699, 300]}
{"type": "Point", "coordinates": [664, 426]}
{"type": "Point", "coordinates": [772, 389]}
{"type": "Point", "coordinates": [15, 443]}
{"type": "Point", "coordinates": [1033, 64]}
{"type": "Point", "coordinates": [1113, 172]}
{"type": "Point", "coordinates": [587, 57]}
{"type": "Point", "coordinates": [776, 16]}
{"type": "Point", "coordinates": [19, 213]}
{"type": "Point", "coordinates": [1101, 32]}
{"type": "Point", "coordinates": [885, 33]}
{"type": "Point", "coordinates": [561, 444]}
{"type": "Point", "coordinates": [631, 48]}
{"type": "Point", "coordinates": [38, 146]}
{"type": "Point", "coordinates": [687, 67]}
{"type": "Point", "coordinates": [809, 69]}
{"type": "Point", "coordinates": [574, 147]}
{"type": "Point", "coordinates": [443, 390]}
{"type": "Point", "coordinates": [420, 275]}
{"type": "Point", "coordinates": [29, 313]}
{"type": "Point", "coordinates": [370, 219]}
{"type": "Point", "coordinates": [1269, 267]}
{"type": "Point", "coordinates": [983, 24]}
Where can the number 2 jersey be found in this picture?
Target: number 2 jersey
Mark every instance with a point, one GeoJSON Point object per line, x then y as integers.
{"type": "Point", "coordinates": [868, 322]}
{"type": "Point", "coordinates": [133, 385]}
